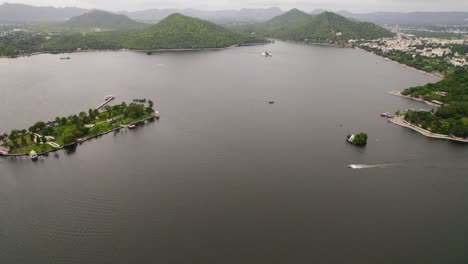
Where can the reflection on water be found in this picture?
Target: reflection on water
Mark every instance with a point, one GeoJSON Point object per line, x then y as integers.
{"type": "Point", "coordinates": [224, 176]}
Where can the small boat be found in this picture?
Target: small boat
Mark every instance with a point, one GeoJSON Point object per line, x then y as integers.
{"type": "Point", "coordinates": [132, 126]}
{"type": "Point", "coordinates": [385, 114]}
{"type": "Point", "coordinates": [65, 58]}
{"type": "Point", "coordinates": [267, 54]}
{"type": "Point", "coordinates": [271, 102]}
{"type": "Point", "coordinates": [156, 114]}
{"type": "Point", "coordinates": [109, 97]}
{"type": "Point", "coordinates": [33, 155]}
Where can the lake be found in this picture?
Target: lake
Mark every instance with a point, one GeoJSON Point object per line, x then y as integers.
{"type": "Point", "coordinates": [223, 176]}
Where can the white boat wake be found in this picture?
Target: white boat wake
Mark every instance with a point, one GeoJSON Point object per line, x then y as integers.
{"type": "Point", "coordinates": [367, 166]}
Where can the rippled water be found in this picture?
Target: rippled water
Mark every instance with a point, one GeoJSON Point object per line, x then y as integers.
{"type": "Point", "coordinates": [224, 177]}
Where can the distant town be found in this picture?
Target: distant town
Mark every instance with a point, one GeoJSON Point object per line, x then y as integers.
{"type": "Point", "coordinates": [452, 51]}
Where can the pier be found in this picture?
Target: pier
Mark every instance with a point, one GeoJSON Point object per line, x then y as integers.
{"type": "Point", "coordinates": [108, 100]}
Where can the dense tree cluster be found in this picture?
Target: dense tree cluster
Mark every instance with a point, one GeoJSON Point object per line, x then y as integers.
{"type": "Point", "coordinates": [451, 118]}
{"type": "Point", "coordinates": [174, 32]}
{"type": "Point", "coordinates": [68, 130]}
{"type": "Point", "coordinates": [417, 61]}
{"type": "Point", "coordinates": [326, 27]}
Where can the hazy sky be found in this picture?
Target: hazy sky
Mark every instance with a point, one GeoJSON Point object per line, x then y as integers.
{"type": "Point", "coordinates": [350, 5]}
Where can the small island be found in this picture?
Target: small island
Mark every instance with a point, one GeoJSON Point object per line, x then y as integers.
{"type": "Point", "coordinates": [44, 137]}
{"type": "Point", "coordinates": [358, 140]}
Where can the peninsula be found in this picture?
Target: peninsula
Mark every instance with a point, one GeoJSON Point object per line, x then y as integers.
{"type": "Point", "coordinates": [445, 58]}
{"type": "Point", "coordinates": [44, 137]}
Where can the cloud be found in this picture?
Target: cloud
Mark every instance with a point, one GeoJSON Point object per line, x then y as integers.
{"type": "Point", "coordinates": [351, 5]}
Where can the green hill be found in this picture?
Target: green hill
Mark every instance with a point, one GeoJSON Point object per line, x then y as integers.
{"type": "Point", "coordinates": [178, 32]}
{"type": "Point", "coordinates": [326, 27]}
{"type": "Point", "coordinates": [329, 26]}
{"type": "Point", "coordinates": [105, 21]}
{"type": "Point", "coordinates": [174, 32]}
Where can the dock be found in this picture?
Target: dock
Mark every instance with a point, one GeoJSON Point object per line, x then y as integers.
{"type": "Point", "coordinates": [108, 100]}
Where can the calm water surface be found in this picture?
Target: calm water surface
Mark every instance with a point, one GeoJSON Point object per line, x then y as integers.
{"type": "Point", "coordinates": [224, 177]}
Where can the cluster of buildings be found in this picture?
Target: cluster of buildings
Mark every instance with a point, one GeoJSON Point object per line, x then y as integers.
{"type": "Point", "coordinates": [428, 47]}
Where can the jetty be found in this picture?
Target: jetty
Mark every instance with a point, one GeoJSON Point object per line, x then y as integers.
{"type": "Point", "coordinates": [108, 99]}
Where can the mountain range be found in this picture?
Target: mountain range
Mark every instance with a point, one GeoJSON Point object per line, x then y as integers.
{"type": "Point", "coordinates": [20, 13]}
{"type": "Point", "coordinates": [326, 27]}
{"type": "Point", "coordinates": [173, 32]}
{"type": "Point", "coordinates": [413, 18]}
{"type": "Point", "coordinates": [104, 20]}
{"type": "Point", "coordinates": [222, 16]}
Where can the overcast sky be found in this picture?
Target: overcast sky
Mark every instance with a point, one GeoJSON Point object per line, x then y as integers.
{"type": "Point", "coordinates": [307, 5]}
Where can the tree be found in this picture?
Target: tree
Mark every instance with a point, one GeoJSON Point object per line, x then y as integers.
{"type": "Point", "coordinates": [15, 144]}
{"type": "Point", "coordinates": [150, 103]}
{"type": "Point", "coordinates": [360, 139]}
{"type": "Point", "coordinates": [135, 110]}
{"type": "Point", "coordinates": [74, 119]}
{"type": "Point", "coordinates": [63, 121]}
{"type": "Point", "coordinates": [91, 114]}
{"type": "Point", "coordinates": [24, 143]}
{"type": "Point", "coordinates": [108, 110]}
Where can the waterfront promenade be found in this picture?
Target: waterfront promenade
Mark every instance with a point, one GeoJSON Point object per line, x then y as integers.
{"type": "Point", "coordinates": [399, 120]}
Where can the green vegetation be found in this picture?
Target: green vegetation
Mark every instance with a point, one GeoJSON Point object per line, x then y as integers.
{"type": "Point", "coordinates": [454, 88]}
{"type": "Point", "coordinates": [104, 20]}
{"type": "Point", "coordinates": [449, 119]}
{"type": "Point", "coordinates": [427, 64]}
{"type": "Point", "coordinates": [359, 139]}
{"type": "Point", "coordinates": [179, 32]}
{"type": "Point", "coordinates": [326, 27]}
{"type": "Point", "coordinates": [47, 136]}
{"type": "Point", "coordinates": [19, 43]}
{"type": "Point", "coordinates": [94, 41]}
{"type": "Point", "coordinates": [174, 32]}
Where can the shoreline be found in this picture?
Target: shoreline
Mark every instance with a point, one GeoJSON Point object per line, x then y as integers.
{"type": "Point", "coordinates": [132, 50]}
{"type": "Point", "coordinates": [400, 121]}
{"type": "Point", "coordinates": [434, 75]}
{"type": "Point", "coordinates": [315, 43]}
{"type": "Point", "coordinates": [79, 141]}
{"type": "Point", "coordinates": [398, 93]}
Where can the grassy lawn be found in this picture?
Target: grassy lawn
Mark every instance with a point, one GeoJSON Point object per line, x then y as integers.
{"type": "Point", "coordinates": [38, 148]}
{"type": "Point", "coordinates": [76, 127]}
